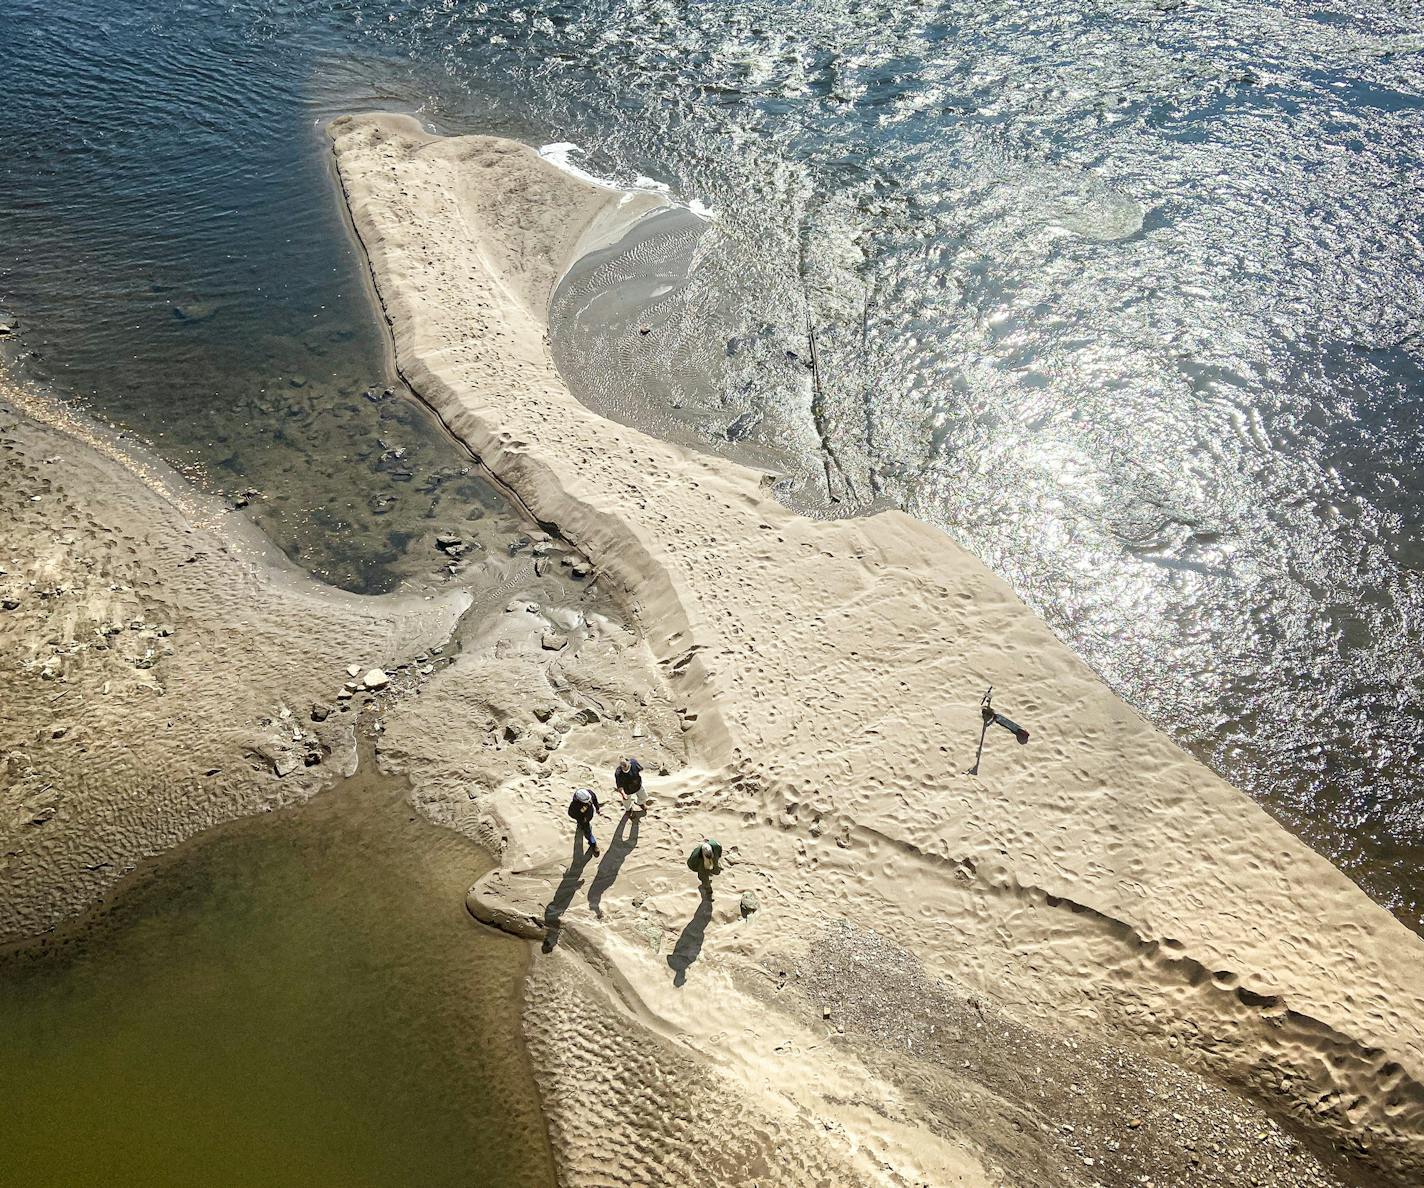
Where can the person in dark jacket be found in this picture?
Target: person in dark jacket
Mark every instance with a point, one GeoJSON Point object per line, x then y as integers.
{"type": "Point", "coordinates": [628, 779]}
{"type": "Point", "coordinates": [706, 860]}
{"type": "Point", "coordinates": [582, 809]}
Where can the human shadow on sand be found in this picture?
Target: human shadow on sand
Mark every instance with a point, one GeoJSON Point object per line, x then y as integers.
{"type": "Point", "coordinates": [689, 943]}
{"type": "Point", "coordinates": [564, 893]}
{"type": "Point", "coordinates": [618, 850]}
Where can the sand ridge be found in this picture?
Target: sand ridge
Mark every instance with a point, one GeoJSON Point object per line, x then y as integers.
{"type": "Point", "coordinates": [827, 676]}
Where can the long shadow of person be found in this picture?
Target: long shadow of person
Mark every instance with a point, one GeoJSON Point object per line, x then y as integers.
{"type": "Point", "coordinates": [607, 871]}
{"type": "Point", "coordinates": [689, 943]}
{"type": "Point", "coordinates": [564, 893]}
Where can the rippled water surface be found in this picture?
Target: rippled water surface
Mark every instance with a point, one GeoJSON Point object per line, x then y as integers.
{"type": "Point", "coordinates": [1126, 297]}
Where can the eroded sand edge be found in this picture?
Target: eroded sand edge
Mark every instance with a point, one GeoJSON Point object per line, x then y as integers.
{"type": "Point", "coordinates": [1098, 885]}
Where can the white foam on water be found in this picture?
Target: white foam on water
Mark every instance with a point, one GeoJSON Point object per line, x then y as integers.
{"type": "Point", "coordinates": [561, 154]}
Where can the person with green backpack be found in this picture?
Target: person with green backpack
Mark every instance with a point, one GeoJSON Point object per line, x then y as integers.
{"type": "Point", "coordinates": [706, 860]}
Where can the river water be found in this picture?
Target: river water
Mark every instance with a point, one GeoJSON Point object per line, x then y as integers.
{"type": "Point", "coordinates": [298, 998]}
{"type": "Point", "coordinates": [1125, 297]}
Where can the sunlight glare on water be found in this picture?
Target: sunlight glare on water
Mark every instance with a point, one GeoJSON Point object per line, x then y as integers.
{"type": "Point", "coordinates": [1126, 298]}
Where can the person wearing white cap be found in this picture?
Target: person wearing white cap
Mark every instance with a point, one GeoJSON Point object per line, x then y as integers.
{"type": "Point", "coordinates": [582, 809]}
{"type": "Point", "coordinates": [706, 860]}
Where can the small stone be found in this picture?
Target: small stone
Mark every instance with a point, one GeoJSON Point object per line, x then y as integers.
{"type": "Point", "coordinates": [320, 711]}
{"type": "Point", "coordinates": [284, 764]}
{"type": "Point", "coordinates": [375, 679]}
{"type": "Point", "coordinates": [552, 641]}
{"type": "Point", "coordinates": [513, 732]}
{"type": "Point", "coordinates": [1134, 1123]}
{"type": "Point", "coordinates": [353, 671]}
{"type": "Point", "coordinates": [749, 904]}
{"type": "Point", "coordinates": [825, 1012]}
{"type": "Point", "coordinates": [638, 731]}
{"type": "Point", "coordinates": [10, 603]}
{"type": "Point", "coordinates": [586, 716]}
{"type": "Point", "coordinates": [446, 541]}
{"type": "Point", "coordinates": [578, 571]}
{"type": "Point", "coordinates": [544, 712]}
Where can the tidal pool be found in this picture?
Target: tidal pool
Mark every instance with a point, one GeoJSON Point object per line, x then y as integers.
{"type": "Point", "coordinates": [298, 998]}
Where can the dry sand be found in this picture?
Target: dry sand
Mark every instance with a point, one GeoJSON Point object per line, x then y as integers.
{"type": "Point", "coordinates": [1041, 973]}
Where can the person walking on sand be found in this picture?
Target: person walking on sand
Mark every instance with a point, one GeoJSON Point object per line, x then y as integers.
{"type": "Point", "coordinates": [582, 809]}
{"type": "Point", "coordinates": [628, 779]}
{"type": "Point", "coordinates": [706, 860]}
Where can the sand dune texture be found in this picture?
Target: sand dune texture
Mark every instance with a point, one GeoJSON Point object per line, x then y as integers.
{"type": "Point", "coordinates": [1033, 974]}
{"type": "Point", "coordinates": [159, 664]}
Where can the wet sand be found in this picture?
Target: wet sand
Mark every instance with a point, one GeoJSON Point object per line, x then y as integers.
{"type": "Point", "coordinates": [162, 664]}
{"type": "Point", "coordinates": [1208, 1000]}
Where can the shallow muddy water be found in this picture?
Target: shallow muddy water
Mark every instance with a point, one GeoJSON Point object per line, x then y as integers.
{"type": "Point", "coordinates": [299, 998]}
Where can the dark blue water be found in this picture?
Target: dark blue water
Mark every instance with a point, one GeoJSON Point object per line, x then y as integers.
{"type": "Point", "coordinates": [1125, 297]}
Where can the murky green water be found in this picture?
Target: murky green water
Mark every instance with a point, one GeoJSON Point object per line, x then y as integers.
{"type": "Point", "coordinates": [294, 999]}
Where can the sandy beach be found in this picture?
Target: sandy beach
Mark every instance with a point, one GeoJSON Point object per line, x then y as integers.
{"type": "Point", "coordinates": [1084, 960]}
{"type": "Point", "coordinates": [932, 956]}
